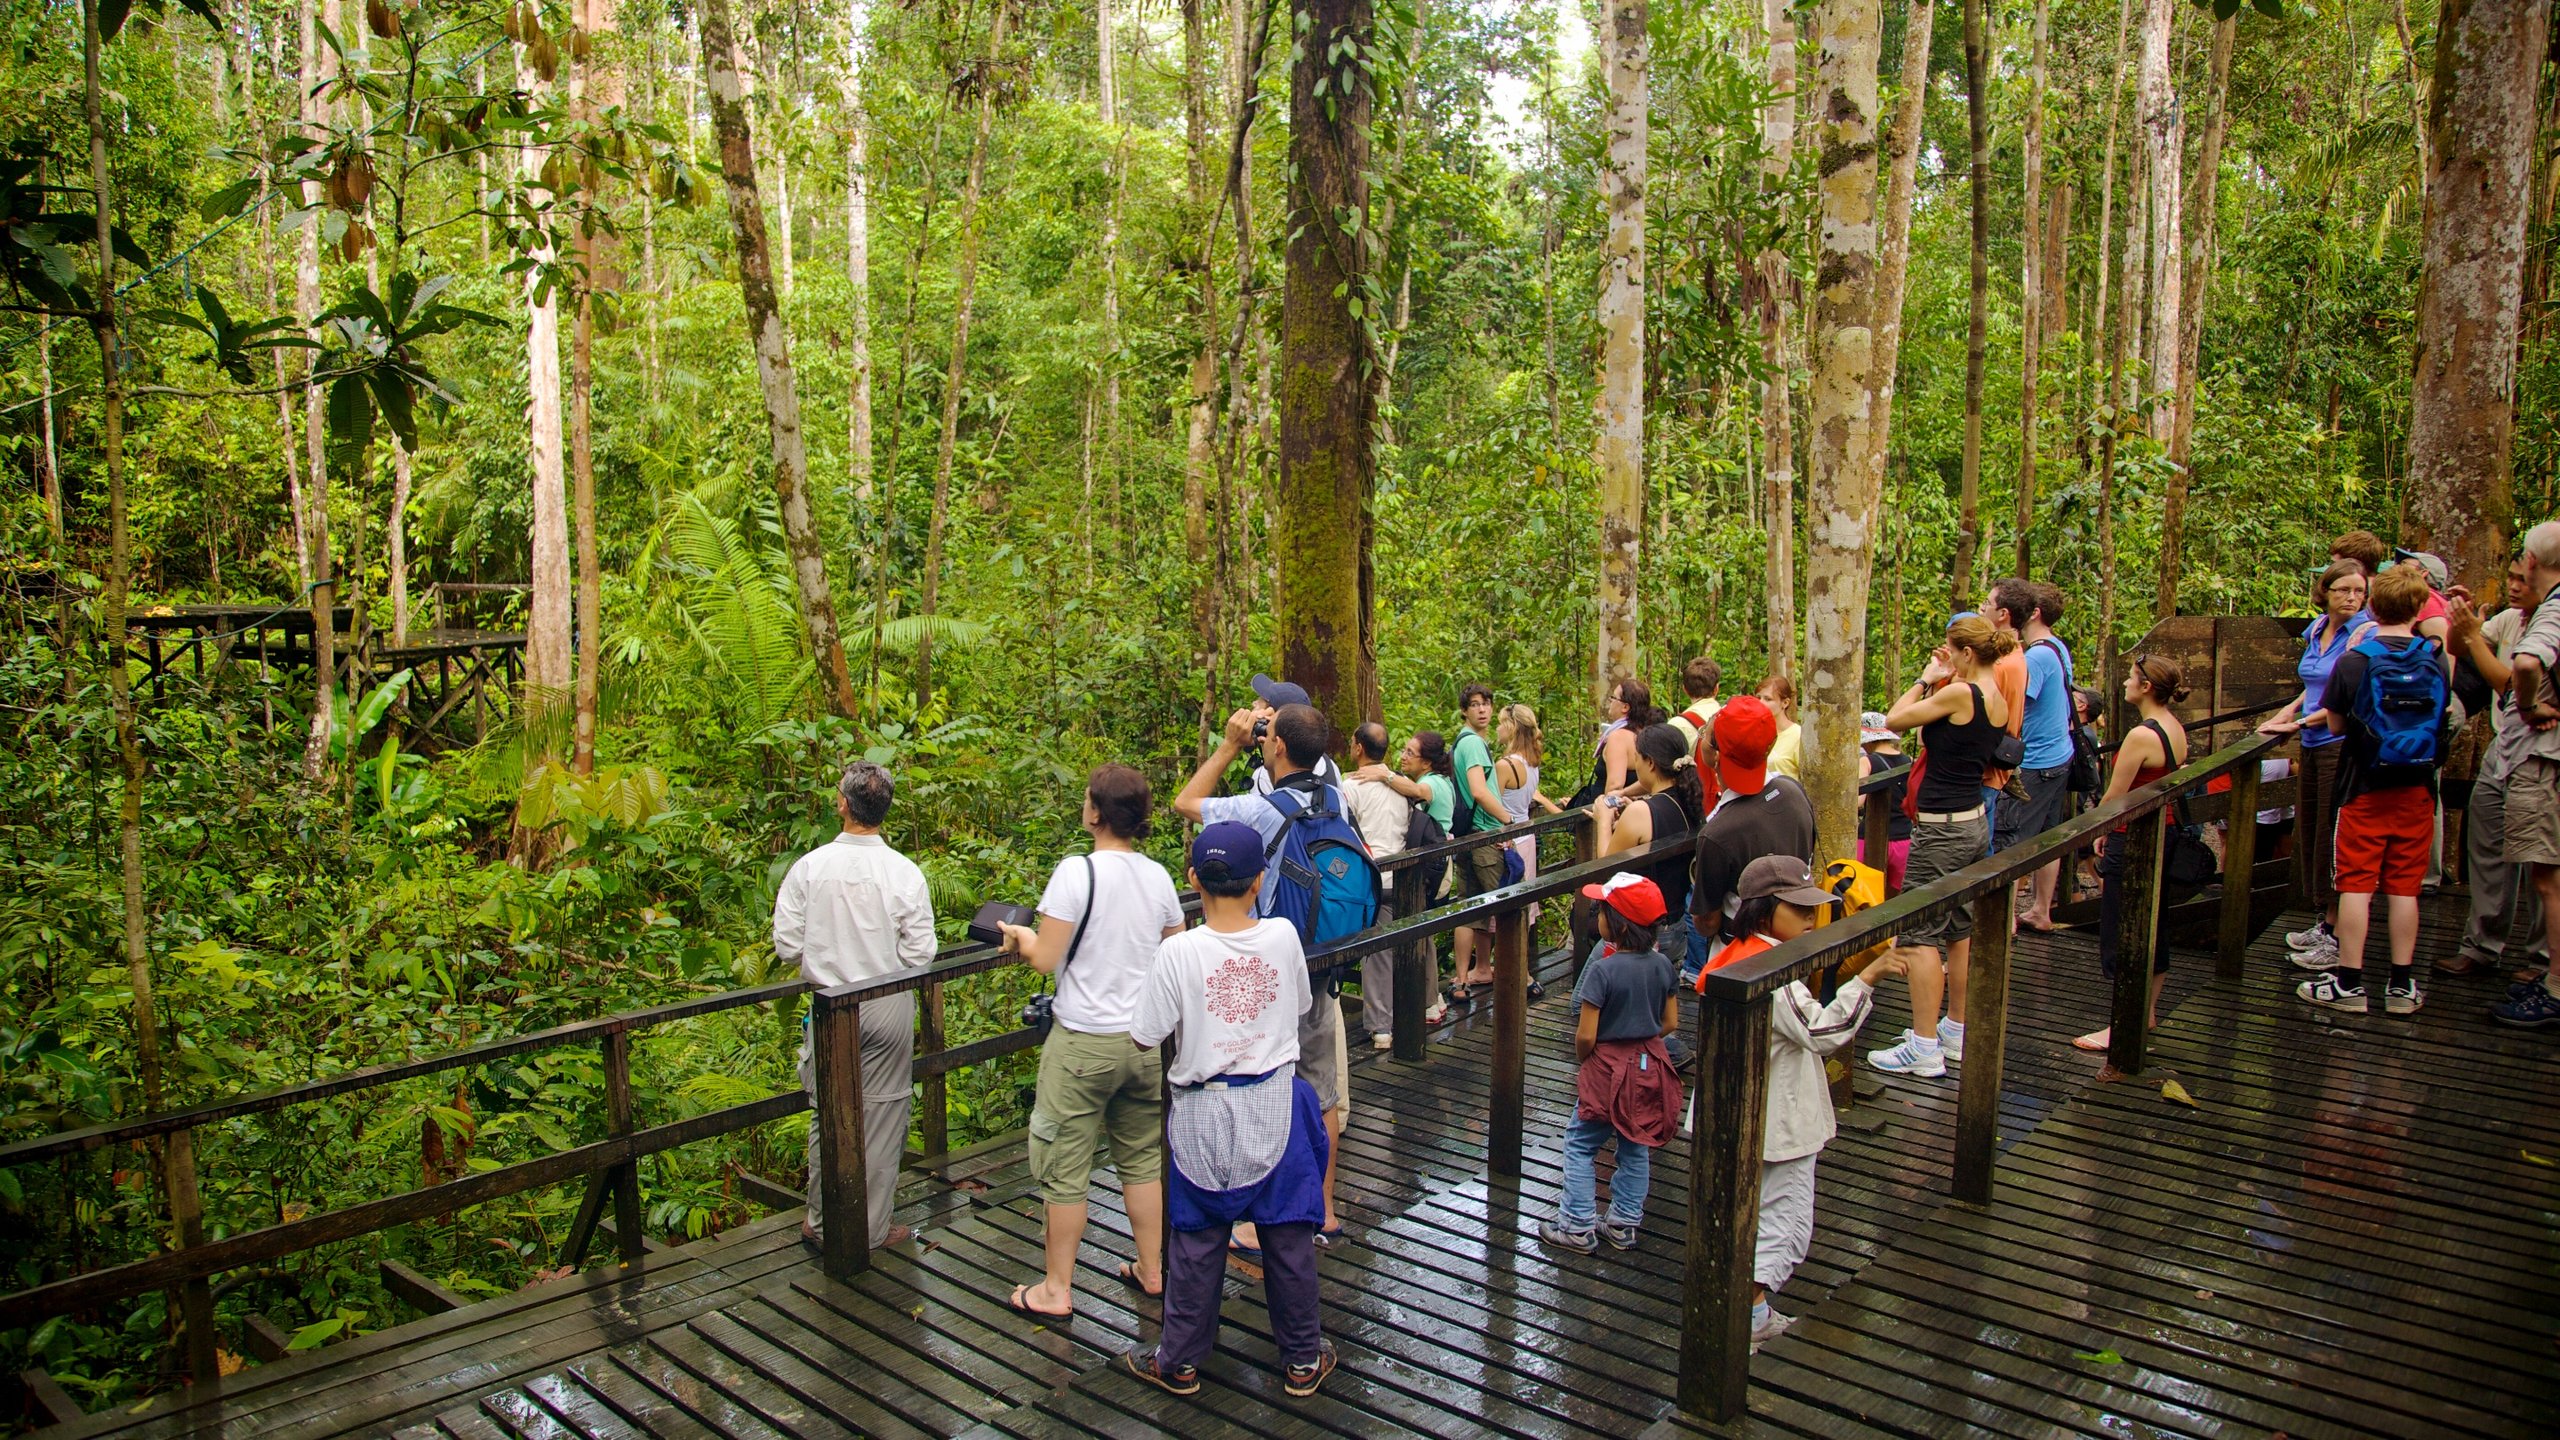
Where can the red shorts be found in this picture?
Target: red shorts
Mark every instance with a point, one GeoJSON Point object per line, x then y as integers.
{"type": "Point", "coordinates": [2383, 838]}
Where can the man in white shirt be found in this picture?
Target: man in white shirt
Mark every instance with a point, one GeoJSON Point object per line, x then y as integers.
{"type": "Point", "coordinates": [1380, 815]}
{"type": "Point", "coordinates": [2505, 923]}
{"type": "Point", "coordinates": [853, 910]}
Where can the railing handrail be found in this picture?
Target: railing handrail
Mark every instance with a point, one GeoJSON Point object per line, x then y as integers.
{"type": "Point", "coordinates": [1772, 969]}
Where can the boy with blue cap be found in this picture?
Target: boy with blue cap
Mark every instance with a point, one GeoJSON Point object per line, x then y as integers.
{"type": "Point", "coordinates": [1245, 1134]}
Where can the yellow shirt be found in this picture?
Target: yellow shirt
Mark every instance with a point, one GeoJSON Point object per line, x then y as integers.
{"type": "Point", "coordinates": [1786, 757]}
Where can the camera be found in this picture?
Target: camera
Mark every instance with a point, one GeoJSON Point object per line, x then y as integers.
{"type": "Point", "coordinates": [1261, 729]}
{"type": "Point", "coordinates": [1040, 1013]}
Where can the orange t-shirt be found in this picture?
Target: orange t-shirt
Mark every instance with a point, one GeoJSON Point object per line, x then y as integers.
{"type": "Point", "coordinates": [1742, 949]}
{"type": "Point", "coordinates": [2009, 672]}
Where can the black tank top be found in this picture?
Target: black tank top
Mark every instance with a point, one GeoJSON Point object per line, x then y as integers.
{"type": "Point", "coordinates": [1671, 876]}
{"type": "Point", "coordinates": [1958, 754]}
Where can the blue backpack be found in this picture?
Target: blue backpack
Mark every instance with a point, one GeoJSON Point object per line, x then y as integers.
{"type": "Point", "coordinates": [1322, 881]}
{"type": "Point", "coordinates": [2400, 706]}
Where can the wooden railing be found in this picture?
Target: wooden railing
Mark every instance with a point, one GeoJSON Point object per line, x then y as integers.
{"type": "Point", "coordinates": [1733, 1038]}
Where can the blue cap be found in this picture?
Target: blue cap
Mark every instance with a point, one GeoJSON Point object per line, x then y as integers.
{"type": "Point", "coordinates": [1277, 693]}
{"type": "Point", "coordinates": [1964, 615]}
{"type": "Point", "coordinates": [1228, 850]}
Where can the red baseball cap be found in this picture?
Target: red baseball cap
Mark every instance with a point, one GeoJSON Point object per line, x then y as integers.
{"type": "Point", "coordinates": [1635, 898]}
{"type": "Point", "coordinates": [1744, 731]}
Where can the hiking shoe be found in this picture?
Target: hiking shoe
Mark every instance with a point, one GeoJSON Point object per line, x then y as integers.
{"type": "Point", "coordinates": [2319, 956]}
{"type": "Point", "coordinates": [1621, 1237]}
{"type": "Point", "coordinates": [1382, 1042]}
{"type": "Point", "coordinates": [1553, 1234]}
{"type": "Point", "coordinates": [1951, 1040]}
{"type": "Point", "coordinates": [2402, 999]}
{"type": "Point", "coordinates": [1147, 1366]}
{"type": "Point", "coordinates": [2537, 1008]}
{"type": "Point", "coordinates": [1304, 1380]}
{"type": "Point", "coordinates": [1770, 1329]}
{"type": "Point", "coordinates": [2319, 933]}
{"type": "Point", "coordinates": [1908, 1058]}
{"type": "Point", "coordinates": [2517, 990]}
{"type": "Point", "coordinates": [2325, 990]}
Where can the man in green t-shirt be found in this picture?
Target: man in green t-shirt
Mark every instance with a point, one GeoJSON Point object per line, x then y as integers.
{"type": "Point", "coordinates": [1479, 809]}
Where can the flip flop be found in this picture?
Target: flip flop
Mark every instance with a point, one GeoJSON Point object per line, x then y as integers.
{"type": "Point", "coordinates": [2084, 1042]}
{"type": "Point", "coordinates": [1326, 1238]}
{"type": "Point", "coordinates": [1019, 1302]}
{"type": "Point", "coordinates": [1250, 1254]}
{"type": "Point", "coordinates": [1129, 1274]}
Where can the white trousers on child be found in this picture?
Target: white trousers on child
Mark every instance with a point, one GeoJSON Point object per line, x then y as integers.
{"type": "Point", "coordinates": [1786, 1220]}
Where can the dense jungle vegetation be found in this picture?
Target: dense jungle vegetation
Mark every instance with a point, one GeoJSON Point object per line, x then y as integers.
{"type": "Point", "coordinates": [1029, 259]}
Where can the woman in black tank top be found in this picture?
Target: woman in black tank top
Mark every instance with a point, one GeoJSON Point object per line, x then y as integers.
{"type": "Point", "coordinates": [1961, 716]}
{"type": "Point", "coordinates": [1669, 809]}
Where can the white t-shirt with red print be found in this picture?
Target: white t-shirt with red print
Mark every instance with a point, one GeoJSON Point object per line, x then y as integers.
{"type": "Point", "coordinates": [1234, 996]}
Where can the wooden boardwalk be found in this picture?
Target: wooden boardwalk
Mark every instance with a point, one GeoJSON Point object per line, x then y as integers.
{"type": "Point", "coordinates": [2350, 1234]}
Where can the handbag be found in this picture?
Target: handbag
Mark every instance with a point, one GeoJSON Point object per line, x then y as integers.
{"type": "Point", "coordinates": [1041, 1013]}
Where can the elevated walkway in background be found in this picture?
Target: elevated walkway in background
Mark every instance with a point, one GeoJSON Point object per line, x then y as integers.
{"type": "Point", "coordinates": [2348, 1234]}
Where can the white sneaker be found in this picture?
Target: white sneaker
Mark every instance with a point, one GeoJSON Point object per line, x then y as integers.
{"type": "Point", "coordinates": [1382, 1043]}
{"type": "Point", "coordinates": [1909, 1058]}
{"type": "Point", "coordinates": [2320, 956]}
{"type": "Point", "coordinates": [1951, 1040]}
{"type": "Point", "coordinates": [2323, 990]}
{"type": "Point", "coordinates": [1438, 1012]}
{"type": "Point", "coordinates": [2400, 1000]}
{"type": "Point", "coordinates": [2305, 939]}
{"type": "Point", "coordinates": [1775, 1326]}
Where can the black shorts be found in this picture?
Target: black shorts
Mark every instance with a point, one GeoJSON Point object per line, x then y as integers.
{"type": "Point", "coordinates": [2017, 819]}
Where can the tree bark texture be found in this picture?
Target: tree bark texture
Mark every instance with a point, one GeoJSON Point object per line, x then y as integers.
{"type": "Point", "coordinates": [2481, 127]}
{"type": "Point", "coordinates": [1777, 285]}
{"type": "Point", "coordinates": [1846, 482]}
{"type": "Point", "coordinates": [547, 658]}
{"type": "Point", "coordinates": [2164, 145]}
{"type": "Point", "coordinates": [773, 355]}
{"type": "Point", "coordinates": [2196, 279]}
{"type": "Point", "coordinates": [1327, 396]}
{"type": "Point", "coordinates": [1893, 250]}
{"type": "Point", "coordinates": [955, 377]}
{"type": "Point", "coordinates": [2099, 348]}
{"type": "Point", "coordinates": [1977, 108]}
{"type": "Point", "coordinates": [319, 71]}
{"type": "Point", "coordinates": [857, 252]}
{"type": "Point", "coordinates": [1618, 435]}
{"type": "Point", "coordinates": [2032, 280]}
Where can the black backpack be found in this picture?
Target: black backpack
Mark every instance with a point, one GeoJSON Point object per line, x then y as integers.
{"type": "Point", "coordinates": [1421, 830]}
{"type": "Point", "coordinates": [2084, 774]}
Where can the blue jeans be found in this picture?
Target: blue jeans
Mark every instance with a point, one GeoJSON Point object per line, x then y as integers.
{"type": "Point", "coordinates": [1580, 1210]}
{"type": "Point", "coordinates": [1991, 820]}
{"type": "Point", "coordinates": [1696, 958]}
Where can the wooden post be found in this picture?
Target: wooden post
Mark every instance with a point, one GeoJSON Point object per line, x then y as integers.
{"type": "Point", "coordinates": [843, 1194]}
{"type": "Point", "coordinates": [937, 1094]}
{"type": "Point", "coordinates": [186, 1220]}
{"type": "Point", "coordinates": [2137, 935]}
{"type": "Point", "coordinates": [1724, 1207]}
{"type": "Point", "coordinates": [1986, 1034]}
{"type": "Point", "coordinates": [1878, 810]}
{"type": "Point", "coordinates": [628, 1232]}
{"type": "Point", "coordinates": [1413, 968]}
{"type": "Point", "coordinates": [1583, 928]}
{"type": "Point", "coordinates": [2239, 871]}
{"type": "Point", "coordinates": [1510, 1044]}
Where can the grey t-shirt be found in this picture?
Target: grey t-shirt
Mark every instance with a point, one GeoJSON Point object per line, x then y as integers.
{"type": "Point", "coordinates": [1628, 987]}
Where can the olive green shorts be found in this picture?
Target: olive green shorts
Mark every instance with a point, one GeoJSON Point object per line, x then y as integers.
{"type": "Point", "coordinates": [1095, 1088]}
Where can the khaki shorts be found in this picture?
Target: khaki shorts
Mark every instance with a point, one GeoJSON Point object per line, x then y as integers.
{"type": "Point", "coordinates": [1093, 1089]}
{"type": "Point", "coordinates": [2533, 812]}
{"type": "Point", "coordinates": [1324, 1062]}
{"type": "Point", "coordinates": [1478, 871]}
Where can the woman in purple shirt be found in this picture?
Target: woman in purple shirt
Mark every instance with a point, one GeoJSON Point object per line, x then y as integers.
{"type": "Point", "coordinates": [2339, 593]}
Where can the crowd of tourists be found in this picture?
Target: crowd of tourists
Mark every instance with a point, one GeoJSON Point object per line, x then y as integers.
{"type": "Point", "coordinates": [1226, 1146]}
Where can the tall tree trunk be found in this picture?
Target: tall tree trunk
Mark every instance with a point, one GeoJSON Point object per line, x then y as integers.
{"type": "Point", "coordinates": [1327, 402]}
{"type": "Point", "coordinates": [590, 19]}
{"type": "Point", "coordinates": [548, 661]}
{"type": "Point", "coordinates": [2032, 280]}
{"type": "Point", "coordinates": [2197, 276]}
{"type": "Point", "coordinates": [1977, 108]}
{"type": "Point", "coordinates": [2164, 143]}
{"type": "Point", "coordinates": [1106, 50]}
{"type": "Point", "coordinates": [1893, 259]}
{"type": "Point", "coordinates": [2103, 297]}
{"type": "Point", "coordinates": [1777, 288]}
{"type": "Point", "coordinates": [857, 250]}
{"type": "Point", "coordinates": [2120, 417]}
{"type": "Point", "coordinates": [955, 377]}
{"type": "Point", "coordinates": [1618, 437]}
{"type": "Point", "coordinates": [1846, 485]}
{"type": "Point", "coordinates": [2481, 127]}
{"type": "Point", "coordinates": [1198, 455]}
{"type": "Point", "coordinates": [773, 355]}
{"type": "Point", "coordinates": [319, 70]}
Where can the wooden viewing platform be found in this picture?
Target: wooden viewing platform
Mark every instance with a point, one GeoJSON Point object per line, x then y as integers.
{"type": "Point", "coordinates": [2349, 1234]}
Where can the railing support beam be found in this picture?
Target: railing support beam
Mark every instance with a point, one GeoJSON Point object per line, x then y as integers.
{"type": "Point", "coordinates": [629, 1234]}
{"type": "Point", "coordinates": [1986, 1038]}
{"type": "Point", "coordinates": [2239, 873]}
{"type": "Point", "coordinates": [1413, 977]}
{"type": "Point", "coordinates": [186, 1219]}
{"type": "Point", "coordinates": [2137, 937]}
{"type": "Point", "coordinates": [1876, 812]}
{"type": "Point", "coordinates": [932, 1035]}
{"type": "Point", "coordinates": [1510, 1044]}
{"type": "Point", "coordinates": [1724, 1207]}
{"type": "Point", "coordinates": [843, 1188]}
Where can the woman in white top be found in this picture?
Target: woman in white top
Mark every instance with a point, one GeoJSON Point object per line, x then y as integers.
{"type": "Point", "coordinates": [1515, 775]}
{"type": "Point", "coordinates": [1102, 919]}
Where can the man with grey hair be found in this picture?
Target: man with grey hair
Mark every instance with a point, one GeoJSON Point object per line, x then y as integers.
{"type": "Point", "coordinates": [851, 910]}
{"type": "Point", "coordinates": [2505, 924]}
{"type": "Point", "coordinates": [2530, 734]}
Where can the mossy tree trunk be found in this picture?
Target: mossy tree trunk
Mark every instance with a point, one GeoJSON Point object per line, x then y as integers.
{"type": "Point", "coordinates": [1618, 437]}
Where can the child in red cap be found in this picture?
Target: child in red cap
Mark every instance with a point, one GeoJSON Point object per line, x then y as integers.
{"type": "Point", "coordinates": [1626, 1090]}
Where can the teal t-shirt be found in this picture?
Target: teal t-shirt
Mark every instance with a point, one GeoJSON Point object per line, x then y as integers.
{"type": "Point", "coordinates": [1472, 755]}
{"type": "Point", "coordinates": [1443, 804]}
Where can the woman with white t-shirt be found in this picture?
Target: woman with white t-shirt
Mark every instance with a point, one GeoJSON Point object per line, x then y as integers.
{"type": "Point", "coordinates": [1102, 920]}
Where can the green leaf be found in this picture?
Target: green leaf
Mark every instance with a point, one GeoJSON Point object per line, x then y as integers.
{"type": "Point", "coordinates": [350, 414]}
{"type": "Point", "coordinates": [317, 1333]}
{"type": "Point", "coordinates": [2272, 9]}
{"type": "Point", "coordinates": [228, 201]}
{"type": "Point", "coordinates": [2098, 1357]}
{"type": "Point", "coordinates": [111, 17]}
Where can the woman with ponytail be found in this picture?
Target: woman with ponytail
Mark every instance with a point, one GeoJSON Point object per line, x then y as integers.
{"type": "Point", "coordinates": [2156, 745]}
{"type": "Point", "coordinates": [1666, 805]}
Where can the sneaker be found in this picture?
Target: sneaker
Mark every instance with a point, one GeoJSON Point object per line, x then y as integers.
{"type": "Point", "coordinates": [1146, 1365]}
{"type": "Point", "coordinates": [2537, 1008]}
{"type": "Point", "coordinates": [2521, 988]}
{"type": "Point", "coordinates": [1908, 1058]}
{"type": "Point", "coordinates": [1621, 1237]}
{"type": "Point", "coordinates": [1304, 1380]}
{"type": "Point", "coordinates": [1382, 1043]}
{"type": "Point", "coordinates": [2319, 956]}
{"type": "Point", "coordinates": [1951, 1039]}
{"type": "Point", "coordinates": [2402, 999]}
{"type": "Point", "coordinates": [1438, 1012]}
{"type": "Point", "coordinates": [2319, 933]}
{"type": "Point", "coordinates": [1770, 1329]}
{"type": "Point", "coordinates": [1581, 1242]}
{"type": "Point", "coordinates": [2325, 990]}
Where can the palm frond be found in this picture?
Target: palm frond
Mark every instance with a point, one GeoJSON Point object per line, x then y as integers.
{"type": "Point", "coordinates": [900, 635]}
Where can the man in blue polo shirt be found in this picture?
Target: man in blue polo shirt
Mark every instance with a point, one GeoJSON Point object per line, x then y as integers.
{"type": "Point", "coordinates": [2031, 608]}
